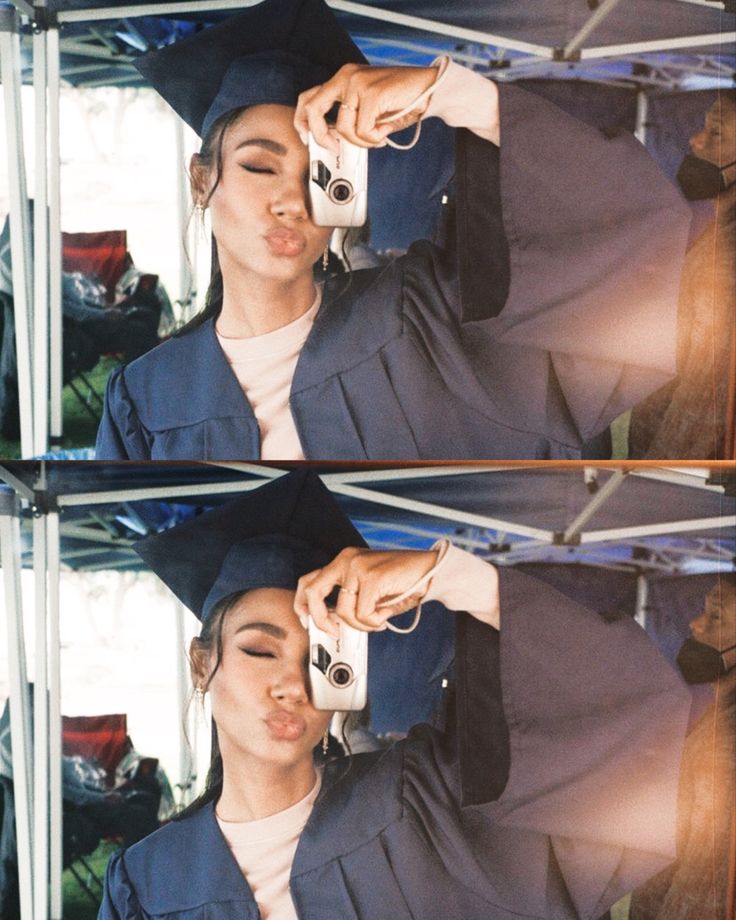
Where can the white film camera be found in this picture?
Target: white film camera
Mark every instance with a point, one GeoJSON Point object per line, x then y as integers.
{"type": "Point", "coordinates": [338, 184]}
{"type": "Point", "coordinates": [338, 668]}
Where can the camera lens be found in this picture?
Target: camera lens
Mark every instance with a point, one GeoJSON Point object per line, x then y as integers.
{"type": "Point", "coordinates": [341, 191]}
{"type": "Point", "coordinates": [341, 675]}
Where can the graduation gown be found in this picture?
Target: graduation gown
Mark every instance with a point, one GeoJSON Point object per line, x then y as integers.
{"type": "Point", "coordinates": [551, 795]}
{"type": "Point", "coordinates": [552, 311]}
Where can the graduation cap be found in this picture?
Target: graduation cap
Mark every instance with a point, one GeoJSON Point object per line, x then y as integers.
{"type": "Point", "coordinates": [268, 54]}
{"type": "Point", "coordinates": [267, 538]}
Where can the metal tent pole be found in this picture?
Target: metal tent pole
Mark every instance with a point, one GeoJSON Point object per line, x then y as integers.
{"type": "Point", "coordinates": [661, 44]}
{"type": "Point", "coordinates": [20, 704]}
{"type": "Point", "coordinates": [40, 250]}
{"type": "Point", "coordinates": [642, 598]}
{"type": "Point", "coordinates": [20, 234]}
{"type": "Point", "coordinates": [642, 112]}
{"type": "Point", "coordinates": [40, 723]}
{"type": "Point", "coordinates": [439, 511]}
{"type": "Point", "coordinates": [574, 529]}
{"type": "Point", "coordinates": [593, 22]}
{"type": "Point", "coordinates": [56, 818]}
{"type": "Point", "coordinates": [56, 332]}
{"type": "Point", "coordinates": [651, 530]}
{"type": "Point", "coordinates": [186, 276]}
{"type": "Point", "coordinates": [182, 687]}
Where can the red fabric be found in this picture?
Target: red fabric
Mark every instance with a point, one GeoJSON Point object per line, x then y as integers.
{"type": "Point", "coordinates": [102, 255]}
{"type": "Point", "coordinates": [103, 737]}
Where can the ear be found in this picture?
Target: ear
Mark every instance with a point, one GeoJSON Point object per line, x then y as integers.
{"type": "Point", "coordinates": [199, 180]}
{"type": "Point", "coordinates": [199, 664]}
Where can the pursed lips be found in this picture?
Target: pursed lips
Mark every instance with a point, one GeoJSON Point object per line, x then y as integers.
{"type": "Point", "coordinates": [285, 725]}
{"type": "Point", "coordinates": [284, 241]}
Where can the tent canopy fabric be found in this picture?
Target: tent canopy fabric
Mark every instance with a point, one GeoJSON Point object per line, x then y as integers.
{"type": "Point", "coordinates": [567, 38]}
{"type": "Point", "coordinates": [642, 520]}
{"type": "Point", "coordinates": [648, 44]}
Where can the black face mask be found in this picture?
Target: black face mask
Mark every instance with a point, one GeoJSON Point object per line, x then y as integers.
{"type": "Point", "coordinates": [700, 663]}
{"type": "Point", "coordinates": [700, 179]}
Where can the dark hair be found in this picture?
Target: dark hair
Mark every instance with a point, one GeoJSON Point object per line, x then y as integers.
{"type": "Point", "coordinates": [209, 640]}
{"type": "Point", "coordinates": [210, 157]}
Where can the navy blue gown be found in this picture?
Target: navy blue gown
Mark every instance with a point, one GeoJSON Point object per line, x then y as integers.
{"type": "Point", "coordinates": [552, 311]}
{"type": "Point", "coordinates": [550, 794]}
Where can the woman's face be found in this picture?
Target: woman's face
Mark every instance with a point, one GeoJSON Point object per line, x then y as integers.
{"type": "Point", "coordinates": [260, 208]}
{"type": "Point", "coordinates": [716, 626]}
{"type": "Point", "coordinates": [716, 142]}
{"type": "Point", "coordinates": [259, 693]}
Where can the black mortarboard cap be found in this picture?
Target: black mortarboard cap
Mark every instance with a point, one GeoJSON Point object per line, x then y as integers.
{"type": "Point", "coordinates": [268, 54]}
{"type": "Point", "coordinates": [267, 538]}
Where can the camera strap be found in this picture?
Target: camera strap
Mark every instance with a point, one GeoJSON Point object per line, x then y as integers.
{"type": "Point", "coordinates": [442, 547]}
{"type": "Point", "coordinates": [442, 63]}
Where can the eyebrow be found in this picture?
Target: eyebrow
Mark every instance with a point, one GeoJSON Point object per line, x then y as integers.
{"type": "Point", "coordinates": [267, 143]}
{"type": "Point", "coordinates": [272, 630]}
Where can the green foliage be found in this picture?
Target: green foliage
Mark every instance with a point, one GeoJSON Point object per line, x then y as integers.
{"type": "Point", "coordinates": [78, 905]}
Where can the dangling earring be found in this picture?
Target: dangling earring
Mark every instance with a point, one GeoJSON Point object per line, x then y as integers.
{"type": "Point", "coordinates": [199, 695]}
{"type": "Point", "coordinates": [325, 258]}
{"type": "Point", "coordinates": [326, 741]}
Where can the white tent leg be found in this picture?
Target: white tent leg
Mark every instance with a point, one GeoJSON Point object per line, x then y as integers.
{"type": "Point", "coordinates": [56, 849]}
{"type": "Point", "coordinates": [40, 250]}
{"type": "Point", "coordinates": [20, 233]}
{"type": "Point", "coordinates": [20, 704]}
{"type": "Point", "coordinates": [642, 112]}
{"type": "Point", "coordinates": [182, 687]}
{"type": "Point", "coordinates": [40, 729]}
{"type": "Point", "coordinates": [186, 276]}
{"type": "Point", "coordinates": [56, 332]}
{"type": "Point", "coordinates": [642, 598]}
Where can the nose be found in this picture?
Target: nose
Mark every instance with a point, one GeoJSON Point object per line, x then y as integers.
{"type": "Point", "coordinates": [697, 626]}
{"type": "Point", "coordinates": [697, 141]}
{"type": "Point", "coordinates": [290, 200]}
{"type": "Point", "coordinates": [290, 684]}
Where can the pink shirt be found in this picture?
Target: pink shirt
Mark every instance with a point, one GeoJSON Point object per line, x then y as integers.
{"type": "Point", "coordinates": [264, 366]}
{"type": "Point", "coordinates": [265, 849]}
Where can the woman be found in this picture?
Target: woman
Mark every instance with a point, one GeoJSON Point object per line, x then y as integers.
{"type": "Point", "coordinates": [550, 313]}
{"type": "Point", "coordinates": [550, 792]}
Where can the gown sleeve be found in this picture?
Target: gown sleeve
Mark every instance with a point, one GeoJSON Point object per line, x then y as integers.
{"type": "Point", "coordinates": [119, 900]}
{"type": "Point", "coordinates": [571, 727]}
{"type": "Point", "coordinates": [121, 435]}
{"type": "Point", "coordinates": [567, 244]}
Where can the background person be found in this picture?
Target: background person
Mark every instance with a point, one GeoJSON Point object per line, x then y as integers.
{"type": "Point", "coordinates": [550, 793]}
{"type": "Point", "coordinates": [692, 417]}
{"type": "Point", "coordinates": [551, 314]}
{"type": "Point", "coordinates": [702, 882]}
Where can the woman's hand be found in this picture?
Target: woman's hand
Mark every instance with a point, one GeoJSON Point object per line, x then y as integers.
{"type": "Point", "coordinates": [367, 578]}
{"type": "Point", "coordinates": [368, 96]}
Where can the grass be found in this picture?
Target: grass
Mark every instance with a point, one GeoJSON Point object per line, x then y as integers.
{"type": "Point", "coordinates": [78, 905]}
{"type": "Point", "coordinates": [80, 428]}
